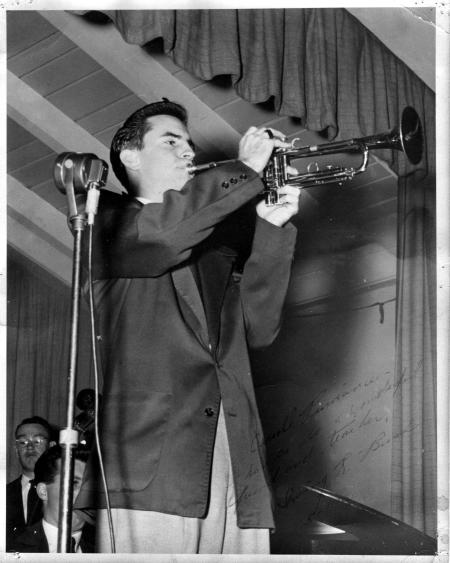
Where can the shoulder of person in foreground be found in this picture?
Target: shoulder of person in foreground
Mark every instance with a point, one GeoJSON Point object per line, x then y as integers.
{"type": "Point", "coordinates": [30, 540]}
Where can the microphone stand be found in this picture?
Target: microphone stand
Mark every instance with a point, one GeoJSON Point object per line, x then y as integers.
{"type": "Point", "coordinates": [74, 173]}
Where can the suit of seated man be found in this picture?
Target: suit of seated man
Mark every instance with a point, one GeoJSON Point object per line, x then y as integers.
{"type": "Point", "coordinates": [42, 537]}
{"type": "Point", "coordinates": [33, 436]}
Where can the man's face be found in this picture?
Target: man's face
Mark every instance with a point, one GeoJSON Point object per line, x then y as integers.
{"type": "Point", "coordinates": [50, 496]}
{"type": "Point", "coordinates": [31, 442]}
{"type": "Point", "coordinates": [163, 159]}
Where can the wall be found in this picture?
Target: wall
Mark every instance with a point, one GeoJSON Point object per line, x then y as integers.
{"type": "Point", "coordinates": [325, 393]}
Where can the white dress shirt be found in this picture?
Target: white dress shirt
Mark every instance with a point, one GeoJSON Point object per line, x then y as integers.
{"type": "Point", "coordinates": [25, 489]}
{"type": "Point", "coordinates": [51, 533]}
{"type": "Point", "coordinates": [144, 200]}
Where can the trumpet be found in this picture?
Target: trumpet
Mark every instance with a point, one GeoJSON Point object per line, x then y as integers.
{"type": "Point", "coordinates": [407, 137]}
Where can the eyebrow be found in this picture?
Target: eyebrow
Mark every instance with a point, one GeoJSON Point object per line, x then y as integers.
{"type": "Point", "coordinates": [177, 136]}
{"type": "Point", "coordinates": [38, 435]}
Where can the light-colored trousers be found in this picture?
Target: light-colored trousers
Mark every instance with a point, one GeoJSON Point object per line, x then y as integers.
{"type": "Point", "coordinates": [140, 531]}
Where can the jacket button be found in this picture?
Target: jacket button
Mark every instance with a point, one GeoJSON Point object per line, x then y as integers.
{"type": "Point", "coordinates": [209, 411]}
{"type": "Point", "coordinates": [233, 180]}
{"type": "Point", "coordinates": [225, 185]}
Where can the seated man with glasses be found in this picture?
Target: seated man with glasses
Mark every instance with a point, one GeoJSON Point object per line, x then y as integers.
{"type": "Point", "coordinates": [33, 436]}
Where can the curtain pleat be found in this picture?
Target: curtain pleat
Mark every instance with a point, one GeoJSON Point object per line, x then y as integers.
{"type": "Point", "coordinates": [414, 439]}
{"type": "Point", "coordinates": [414, 436]}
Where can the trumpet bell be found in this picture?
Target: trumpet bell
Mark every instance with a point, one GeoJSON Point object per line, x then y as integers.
{"type": "Point", "coordinates": [411, 137]}
{"type": "Point", "coordinates": [407, 137]}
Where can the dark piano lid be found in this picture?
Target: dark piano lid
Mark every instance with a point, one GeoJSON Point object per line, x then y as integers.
{"type": "Point", "coordinates": [337, 524]}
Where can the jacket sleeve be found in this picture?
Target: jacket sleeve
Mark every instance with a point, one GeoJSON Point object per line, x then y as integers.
{"type": "Point", "coordinates": [265, 281]}
{"type": "Point", "coordinates": [138, 240]}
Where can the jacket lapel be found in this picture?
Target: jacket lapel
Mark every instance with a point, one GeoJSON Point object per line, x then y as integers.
{"type": "Point", "coordinates": [190, 302]}
{"type": "Point", "coordinates": [214, 272]}
{"type": "Point", "coordinates": [202, 310]}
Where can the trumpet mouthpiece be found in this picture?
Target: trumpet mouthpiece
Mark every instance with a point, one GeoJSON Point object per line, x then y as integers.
{"type": "Point", "coordinates": [192, 169]}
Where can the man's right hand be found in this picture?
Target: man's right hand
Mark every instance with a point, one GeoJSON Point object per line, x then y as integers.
{"type": "Point", "coordinates": [256, 146]}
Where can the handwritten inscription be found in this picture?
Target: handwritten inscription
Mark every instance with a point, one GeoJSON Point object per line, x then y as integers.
{"type": "Point", "coordinates": [373, 389]}
{"type": "Point", "coordinates": [334, 432]}
{"type": "Point", "coordinates": [382, 440]}
{"type": "Point", "coordinates": [341, 466]}
{"type": "Point", "coordinates": [320, 403]}
{"type": "Point", "coordinates": [246, 493]}
{"type": "Point", "coordinates": [355, 425]}
{"type": "Point", "coordinates": [293, 494]}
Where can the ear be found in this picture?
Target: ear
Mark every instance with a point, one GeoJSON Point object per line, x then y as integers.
{"type": "Point", "coordinates": [130, 159]}
{"type": "Point", "coordinates": [41, 489]}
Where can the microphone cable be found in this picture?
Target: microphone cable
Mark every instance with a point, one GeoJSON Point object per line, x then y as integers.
{"type": "Point", "coordinates": [96, 386]}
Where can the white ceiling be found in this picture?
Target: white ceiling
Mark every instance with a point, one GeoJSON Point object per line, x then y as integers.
{"type": "Point", "coordinates": [410, 33]}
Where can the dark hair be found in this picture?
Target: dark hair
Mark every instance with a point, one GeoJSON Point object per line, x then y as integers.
{"type": "Point", "coordinates": [47, 466]}
{"type": "Point", "coordinates": [37, 420]}
{"type": "Point", "coordinates": [86, 399]}
{"type": "Point", "coordinates": [131, 134]}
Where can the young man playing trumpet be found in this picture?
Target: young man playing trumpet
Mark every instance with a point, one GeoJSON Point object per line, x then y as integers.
{"type": "Point", "coordinates": [180, 431]}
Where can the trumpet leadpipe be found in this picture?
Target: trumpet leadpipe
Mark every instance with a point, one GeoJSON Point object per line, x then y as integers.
{"type": "Point", "coordinates": [193, 169]}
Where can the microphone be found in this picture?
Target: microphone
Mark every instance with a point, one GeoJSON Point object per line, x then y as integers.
{"type": "Point", "coordinates": [76, 173]}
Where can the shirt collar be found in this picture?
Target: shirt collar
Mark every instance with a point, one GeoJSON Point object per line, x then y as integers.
{"type": "Point", "coordinates": [51, 533]}
{"type": "Point", "coordinates": [25, 481]}
{"type": "Point", "coordinates": [143, 200]}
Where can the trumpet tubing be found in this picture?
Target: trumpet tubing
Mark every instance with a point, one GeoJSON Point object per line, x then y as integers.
{"type": "Point", "coordinates": [407, 137]}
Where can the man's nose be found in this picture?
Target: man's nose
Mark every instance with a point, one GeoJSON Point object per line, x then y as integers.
{"type": "Point", "coordinates": [187, 152]}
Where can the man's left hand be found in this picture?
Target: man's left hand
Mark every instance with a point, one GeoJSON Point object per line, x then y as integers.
{"type": "Point", "coordinates": [281, 213]}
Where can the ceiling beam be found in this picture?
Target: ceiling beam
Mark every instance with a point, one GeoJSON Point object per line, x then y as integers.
{"type": "Point", "coordinates": [39, 231]}
{"type": "Point", "coordinates": [51, 126]}
{"type": "Point", "coordinates": [152, 82]}
{"type": "Point", "coordinates": [411, 38]}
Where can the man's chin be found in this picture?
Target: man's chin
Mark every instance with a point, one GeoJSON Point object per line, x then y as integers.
{"type": "Point", "coordinates": [180, 181]}
{"type": "Point", "coordinates": [180, 185]}
{"type": "Point", "coordinates": [30, 461]}
{"type": "Point", "coordinates": [176, 186]}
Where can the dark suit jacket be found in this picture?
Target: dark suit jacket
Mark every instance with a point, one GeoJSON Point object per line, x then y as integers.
{"type": "Point", "coordinates": [15, 519]}
{"type": "Point", "coordinates": [171, 351]}
{"type": "Point", "coordinates": [34, 540]}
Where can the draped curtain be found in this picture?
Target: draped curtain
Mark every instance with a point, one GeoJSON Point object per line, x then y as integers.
{"type": "Point", "coordinates": [323, 66]}
{"type": "Point", "coordinates": [414, 477]}
{"type": "Point", "coordinates": [38, 340]}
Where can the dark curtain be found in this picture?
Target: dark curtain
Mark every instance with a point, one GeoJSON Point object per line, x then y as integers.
{"type": "Point", "coordinates": [323, 66]}
{"type": "Point", "coordinates": [320, 65]}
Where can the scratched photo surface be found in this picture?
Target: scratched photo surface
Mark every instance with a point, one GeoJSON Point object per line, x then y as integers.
{"type": "Point", "coordinates": [347, 392]}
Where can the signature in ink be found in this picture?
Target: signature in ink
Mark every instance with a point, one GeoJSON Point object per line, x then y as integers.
{"type": "Point", "coordinates": [340, 468]}
{"type": "Point", "coordinates": [382, 440]}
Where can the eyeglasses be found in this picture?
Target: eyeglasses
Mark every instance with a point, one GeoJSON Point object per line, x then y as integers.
{"type": "Point", "coordinates": [36, 441]}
